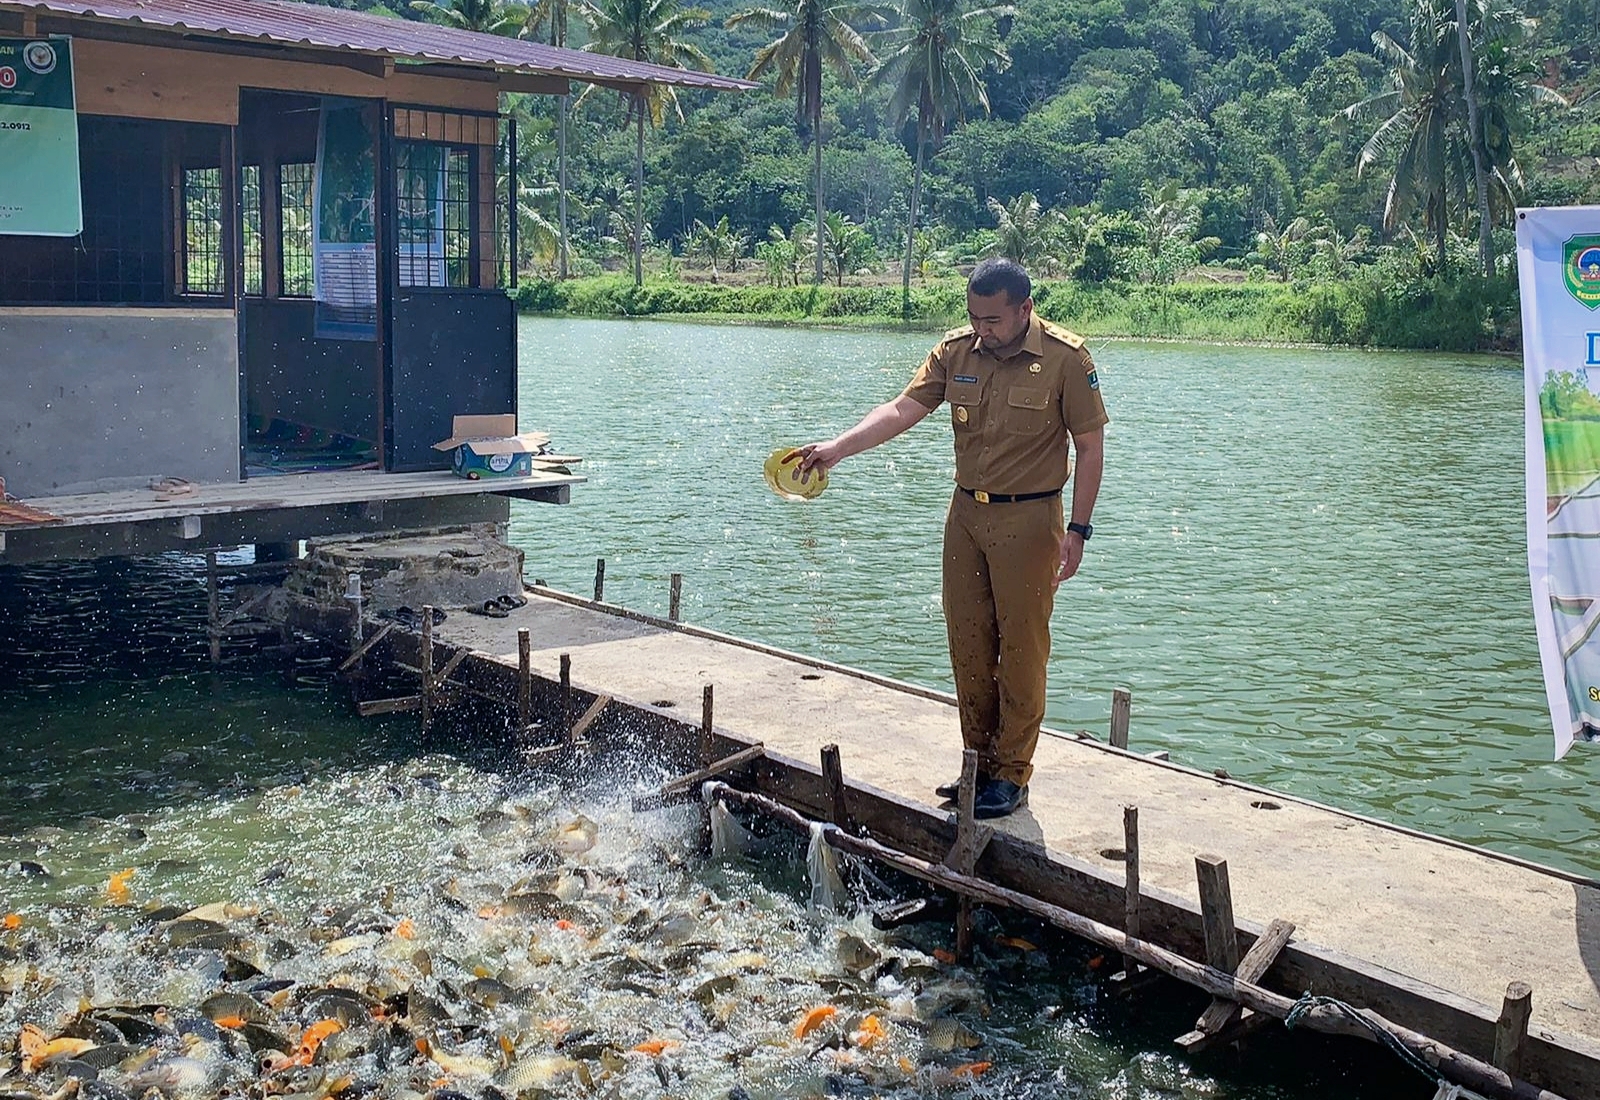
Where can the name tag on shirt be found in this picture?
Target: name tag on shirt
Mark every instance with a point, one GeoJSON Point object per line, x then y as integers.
{"type": "Point", "coordinates": [973, 378]}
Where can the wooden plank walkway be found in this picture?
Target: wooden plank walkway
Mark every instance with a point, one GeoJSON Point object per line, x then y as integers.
{"type": "Point", "coordinates": [1432, 928]}
{"type": "Point", "coordinates": [264, 509]}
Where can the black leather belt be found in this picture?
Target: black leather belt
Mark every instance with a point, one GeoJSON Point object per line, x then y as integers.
{"type": "Point", "coordinates": [1005, 498]}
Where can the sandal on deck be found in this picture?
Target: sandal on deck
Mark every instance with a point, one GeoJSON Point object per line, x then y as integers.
{"type": "Point", "coordinates": [512, 600]}
{"type": "Point", "coordinates": [489, 608]}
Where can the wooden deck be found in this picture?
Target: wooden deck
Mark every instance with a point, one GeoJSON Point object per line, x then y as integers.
{"type": "Point", "coordinates": [265, 509]}
{"type": "Point", "coordinates": [1425, 931]}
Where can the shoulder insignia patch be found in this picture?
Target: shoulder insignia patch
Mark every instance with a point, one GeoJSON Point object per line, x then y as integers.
{"type": "Point", "coordinates": [958, 333]}
{"type": "Point", "coordinates": [1066, 336]}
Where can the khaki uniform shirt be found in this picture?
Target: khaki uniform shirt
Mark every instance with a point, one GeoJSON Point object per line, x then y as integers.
{"type": "Point", "coordinates": [1013, 417]}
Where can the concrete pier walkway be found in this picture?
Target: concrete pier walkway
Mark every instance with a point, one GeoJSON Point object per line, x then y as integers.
{"type": "Point", "coordinates": [1425, 931]}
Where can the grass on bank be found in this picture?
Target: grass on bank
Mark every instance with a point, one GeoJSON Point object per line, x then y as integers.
{"type": "Point", "coordinates": [1461, 314]}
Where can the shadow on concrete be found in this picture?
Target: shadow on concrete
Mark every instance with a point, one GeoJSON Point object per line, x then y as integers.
{"type": "Point", "coordinates": [1586, 903]}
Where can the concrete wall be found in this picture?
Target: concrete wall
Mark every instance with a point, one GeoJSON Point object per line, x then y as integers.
{"type": "Point", "coordinates": [107, 398]}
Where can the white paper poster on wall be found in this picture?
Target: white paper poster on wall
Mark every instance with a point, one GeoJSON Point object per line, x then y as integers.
{"type": "Point", "coordinates": [1558, 266]}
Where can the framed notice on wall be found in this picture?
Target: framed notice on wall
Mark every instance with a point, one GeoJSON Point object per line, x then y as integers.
{"type": "Point", "coordinates": [39, 186]}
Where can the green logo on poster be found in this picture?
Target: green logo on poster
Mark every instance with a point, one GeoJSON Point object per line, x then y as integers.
{"type": "Point", "coordinates": [1581, 269]}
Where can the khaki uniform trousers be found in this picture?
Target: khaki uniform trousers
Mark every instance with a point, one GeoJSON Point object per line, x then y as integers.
{"type": "Point", "coordinates": [999, 562]}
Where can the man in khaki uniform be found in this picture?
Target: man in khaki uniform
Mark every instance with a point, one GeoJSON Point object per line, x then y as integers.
{"type": "Point", "coordinates": [1020, 389]}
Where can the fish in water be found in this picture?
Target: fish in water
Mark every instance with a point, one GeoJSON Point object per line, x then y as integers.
{"type": "Point", "coordinates": [577, 836]}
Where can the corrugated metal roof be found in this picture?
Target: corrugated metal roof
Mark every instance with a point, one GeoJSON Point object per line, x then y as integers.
{"type": "Point", "coordinates": [307, 25]}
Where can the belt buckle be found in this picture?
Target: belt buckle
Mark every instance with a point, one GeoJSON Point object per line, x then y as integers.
{"type": "Point", "coordinates": [980, 496]}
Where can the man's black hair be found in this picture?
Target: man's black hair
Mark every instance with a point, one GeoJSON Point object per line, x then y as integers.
{"type": "Point", "coordinates": [998, 274]}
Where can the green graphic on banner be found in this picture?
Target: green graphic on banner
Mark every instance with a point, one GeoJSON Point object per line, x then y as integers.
{"type": "Point", "coordinates": [39, 185]}
{"type": "Point", "coordinates": [1581, 268]}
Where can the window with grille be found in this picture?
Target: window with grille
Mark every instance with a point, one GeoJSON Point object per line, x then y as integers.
{"type": "Point", "coordinates": [295, 205]}
{"type": "Point", "coordinates": [250, 226]}
{"type": "Point", "coordinates": [433, 186]}
{"type": "Point", "coordinates": [203, 266]}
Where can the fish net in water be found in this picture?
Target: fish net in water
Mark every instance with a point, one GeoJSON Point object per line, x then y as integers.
{"type": "Point", "coordinates": [822, 864]}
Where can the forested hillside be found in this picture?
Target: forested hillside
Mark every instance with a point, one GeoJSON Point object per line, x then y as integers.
{"type": "Point", "coordinates": [1140, 140]}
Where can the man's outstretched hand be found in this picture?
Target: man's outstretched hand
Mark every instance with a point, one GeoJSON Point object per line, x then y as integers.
{"type": "Point", "coordinates": [813, 455]}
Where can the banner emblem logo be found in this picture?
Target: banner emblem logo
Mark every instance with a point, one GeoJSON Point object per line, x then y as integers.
{"type": "Point", "coordinates": [1581, 268]}
{"type": "Point", "coordinates": [40, 57]}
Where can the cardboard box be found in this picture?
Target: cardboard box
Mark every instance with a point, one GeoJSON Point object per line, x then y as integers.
{"type": "Point", "coordinates": [489, 446]}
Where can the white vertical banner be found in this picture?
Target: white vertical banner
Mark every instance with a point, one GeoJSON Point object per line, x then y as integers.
{"type": "Point", "coordinates": [1558, 268]}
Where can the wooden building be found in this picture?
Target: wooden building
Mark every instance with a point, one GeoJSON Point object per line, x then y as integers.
{"type": "Point", "coordinates": [293, 244]}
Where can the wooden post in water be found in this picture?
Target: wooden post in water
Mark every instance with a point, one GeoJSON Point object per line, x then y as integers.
{"type": "Point", "coordinates": [675, 597]}
{"type": "Point", "coordinates": [1121, 707]}
{"type": "Point", "coordinates": [213, 609]}
{"type": "Point", "coordinates": [1216, 913]}
{"type": "Point", "coordinates": [425, 660]}
{"type": "Point", "coordinates": [524, 682]}
{"type": "Point", "coordinates": [1131, 895]}
{"type": "Point", "coordinates": [599, 580]}
{"type": "Point", "coordinates": [965, 821]}
{"type": "Point", "coordinates": [833, 783]}
{"type": "Point", "coordinates": [706, 750]}
{"type": "Point", "coordinates": [566, 695]}
{"type": "Point", "coordinates": [1511, 1030]}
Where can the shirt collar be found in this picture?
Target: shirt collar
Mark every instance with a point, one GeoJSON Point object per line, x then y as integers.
{"type": "Point", "coordinates": [1032, 341]}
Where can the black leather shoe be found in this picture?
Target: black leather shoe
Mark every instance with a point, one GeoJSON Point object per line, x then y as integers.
{"type": "Point", "coordinates": [999, 797]}
{"type": "Point", "coordinates": [952, 790]}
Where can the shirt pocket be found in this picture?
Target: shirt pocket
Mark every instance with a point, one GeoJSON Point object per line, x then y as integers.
{"type": "Point", "coordinates": [966, 403]}
{"type": "Point", "coordinates": [1027, 410]}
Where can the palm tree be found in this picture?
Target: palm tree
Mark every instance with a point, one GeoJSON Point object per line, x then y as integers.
{"type": "Point", "coordinates": [644, 30]}
{"type": "Point", "coordinates": [847, 246]}
{"type": "Point", "coordinates": [813, 35]}
{"type": "Point", "coordinates": [932, 63]}
{"type": "Point", "coordinates": [486, 16]}
{"type": "Point", "coordinates": [716, 243]}
{"type": "Point", "coordinates": [1276, 242]}
{"type": "Point", "coordinates": [1427, 124]}
{"type": "Point", "coordinates": [1023, 231]}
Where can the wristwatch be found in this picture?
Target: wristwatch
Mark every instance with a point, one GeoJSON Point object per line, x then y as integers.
{"type": "Point", "coordinates": [1084, 529]}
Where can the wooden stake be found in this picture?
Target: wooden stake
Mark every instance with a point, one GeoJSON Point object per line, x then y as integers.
{"type": "Point", "coordinates": [833, 783]}
{"type": "Point", "coordinates": [675, 597]}
{"type": "Point", "coordinates": [524, 681]}
{"type": "Point", "coordinates": [705, 726]}
{"type": "Point", "coordinates": [213, 609]}
{"type": "Point", "coordinates": [426, 661]}
{"type": "Point", "coordinates": [388, 706]}
{"type": "Point", "coordinates": [1219, 1018]}
{"type": "Point", "coordinates": [963, 856]}
{"type": "Point", "coordinates": [1216, 913]}
{"type": "Point", "coordinates": [1121, 707]}
{"type": "Point", "coordinates": [582, 725]}
{"type": "Point", "coordinates": [1511, 1030]}
{"type": "Point", "coordinates": [1131, 894]}
{"type": "Point", "coordinates": [684, 787]}
{"type": "Point", "coordinates": [599, 580]}
{"type": "Point", "coordinates": [366, 647]}
{"type": "Point", "coordinates": [566, 694]}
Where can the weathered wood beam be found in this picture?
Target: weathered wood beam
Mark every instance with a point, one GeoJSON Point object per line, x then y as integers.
{"type": "Point", "coordinates": [1221, 1015]}
{"type": "Point", "coordinates": [684, 787]}
{"type": "Point", "coordinates": [366, 647]}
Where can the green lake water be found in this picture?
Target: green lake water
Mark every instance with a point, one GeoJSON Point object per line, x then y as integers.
{"type": "Point", "coordinates": [1309, 566]}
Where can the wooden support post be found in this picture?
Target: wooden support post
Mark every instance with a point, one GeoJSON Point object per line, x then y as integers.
{"type": "Point", "coordinates": [582, 725]}
{"type": "Point", "coordinates": [1511, 1030]}
{"type": "Point", "coordinates": [1132, 895]}
{"type": "Point", "coordinates": [1216, 913]}
{"type": "Point", "coordinates": [1224, 1021]}
{"type": "Point", "coordinates": [366, 647]}
{"type": "Point", "coordinates": [524, 681]}
{"type": "Point", "coordinates": [566, 695]}
{"type": "Point", "coordinates": [1121, 707]}
{"type": "Point", "coordinates": [971, 839]}
{"type": "Point", "coordinates": [426, 661]}
{"type": "Point", "coordinates": [213, 609]}
{"type": "Point", "coordinates": [675, 598]}
{"type": "Point", "coordinates": [599, 580]}
{"type": "Point", "coordinates": [833, 783]}
{"type": "Point", "coordinates": [706, 738]}
{"type": "Point", "coordinates": [685, 786]}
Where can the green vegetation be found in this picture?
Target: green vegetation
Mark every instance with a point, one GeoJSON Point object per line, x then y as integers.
{"type": "Point", "coordinates": [1180, 161]}
{"type": "Point", "coordinates": [1571, 432]}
